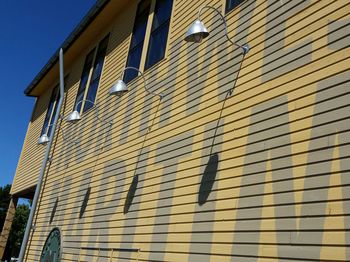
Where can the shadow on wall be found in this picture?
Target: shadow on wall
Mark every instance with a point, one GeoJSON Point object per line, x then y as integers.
{"type": "Point", "coordinates": [54, 211]}
{"type": "Point", "coordinates": [131, 193]}
{"type": "Point", "coordinates": [85, 201]}
{"type": "Point", "coordinates": [135, 180]}
{"type": "Point", "coordinates": [208, 179]}
{"type": "Point", "coordinates": [211, 168]}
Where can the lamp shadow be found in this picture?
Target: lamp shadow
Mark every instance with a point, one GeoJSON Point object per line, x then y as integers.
{"type": "Point", "coordinates": [131, 194]}
{"type": "Point", "coordinates": [133, 187]}
{"type": "Point", "coordinates": [85, 201]}
{"type": "Point", "coordinates": [88, 191]}
{"type": "Point", "coordinates": [211, 169]}
{"type": "Point", "coordinates": [208, 179]}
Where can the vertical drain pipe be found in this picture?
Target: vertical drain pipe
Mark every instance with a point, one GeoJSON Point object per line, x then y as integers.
{"type": "Point", "coordinates": [30, 225]}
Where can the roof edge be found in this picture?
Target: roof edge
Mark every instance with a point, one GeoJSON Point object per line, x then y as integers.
{"type": "Point", "coordinates": [78, 30]}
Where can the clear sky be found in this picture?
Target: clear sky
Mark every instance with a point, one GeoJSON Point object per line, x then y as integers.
{"type": "Point", "coordinates": [30, 32]}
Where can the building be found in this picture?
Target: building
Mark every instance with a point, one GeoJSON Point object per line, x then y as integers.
{"type": "Point", "coordinates": [245, 157]}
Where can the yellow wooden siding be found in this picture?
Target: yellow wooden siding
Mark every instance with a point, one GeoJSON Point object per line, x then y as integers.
{"type": "Point", "coordinates": [32, 154]}
{"type": "Point", "coordinates": [282, 142]}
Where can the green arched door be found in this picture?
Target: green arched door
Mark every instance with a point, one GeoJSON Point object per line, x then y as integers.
{"type": "Point", "coordinates": [52, 248]}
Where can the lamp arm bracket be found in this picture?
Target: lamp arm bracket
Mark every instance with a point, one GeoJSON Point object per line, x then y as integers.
{"type": "Point", "coordinates": [245, 47]}
{"type": "Point", "coordinates": [81, 101]}
{"type": "Point", "coordinates": [144, 81]}
{"type": "Point", "coordinates": [95, 108]}
{"type": "Point", "coordinates": [60, 117]}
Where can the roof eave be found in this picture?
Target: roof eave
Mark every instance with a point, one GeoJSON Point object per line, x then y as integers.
{"type": "Point", "coordinates": [85, 22]}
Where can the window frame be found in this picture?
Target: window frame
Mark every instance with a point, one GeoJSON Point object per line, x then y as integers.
{"type": "Point", "coordinates": [84, 89]}
{"type": "Point", "coordinates": [54, 97]}
{"type": "Point", "coordinates": [52, 114]}
{"type": "Point", "coordinates": [99, 53]}
{"type": "Point", "coordinates": [233, 8]}
{"type": "Point", "coordinates": [143, 43]}
{"type": "Point", "coordinates": [159, 28]}
{"type": "Point", "coordinates": [146, 42]}
{"type": "Point", "coordinates": [90, 71]}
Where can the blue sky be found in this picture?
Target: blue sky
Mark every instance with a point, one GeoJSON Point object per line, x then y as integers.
{"type": "Point", "coordinates": [30, 33]}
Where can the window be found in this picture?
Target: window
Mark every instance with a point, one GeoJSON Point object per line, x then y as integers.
{"type": "Point", "coordinates": [231, 4]}
{"type": "Point", "coordinates": [159, 32]}
{"type": "Point", "coordinates": [137, 39]}
{"type": "Point", "coordinates": [90, 76]}
{"type": "Point", "coordinates": [158, 35]}
{"type": "Point", "coordinates": [51, 112]}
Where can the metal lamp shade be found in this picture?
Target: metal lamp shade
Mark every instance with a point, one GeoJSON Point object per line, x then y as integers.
{"type": "Point", "coordinates": [73, 117]}
{"type": "Point", "coordinates": [119, 88]}
{"type": "Point", "coordinates": [196, 32]}
{"type": "Point", "coordinates": [43, 140]}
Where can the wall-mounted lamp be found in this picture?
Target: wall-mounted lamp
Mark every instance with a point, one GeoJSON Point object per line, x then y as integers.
{"type": "Point", "coordinates": [119, 88]}
{"type": "Point", "coordinates": [197, 31]}
{"type": "Point", "coordinates": [44, 139]}
{"type": "Point", "coordinates": [74, 116]}
{"type": "Point", "coordinates": [195, 34]}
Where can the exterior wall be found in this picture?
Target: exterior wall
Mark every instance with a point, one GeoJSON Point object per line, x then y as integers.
{"type": "Point", "coordinates": [259, 175]}
{"type": "Point", "coordinates": [5, 232]}
{"type": "Point", "coordinates": [32, 154]}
